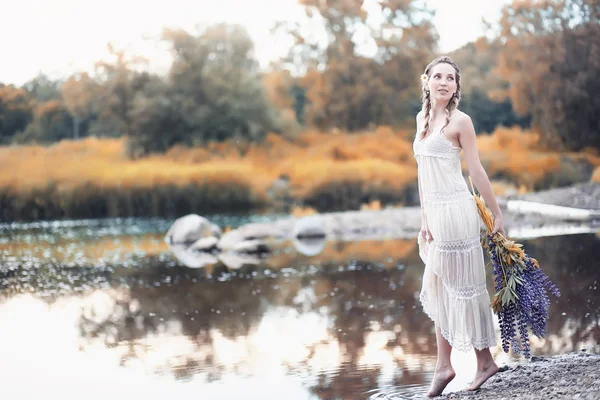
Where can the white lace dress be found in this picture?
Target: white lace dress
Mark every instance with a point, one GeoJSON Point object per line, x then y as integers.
{"type": "Point", "coordinates": [454, 293]}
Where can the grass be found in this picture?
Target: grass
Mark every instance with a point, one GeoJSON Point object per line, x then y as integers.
{"type": "Point", "coordinates": [326, 171]}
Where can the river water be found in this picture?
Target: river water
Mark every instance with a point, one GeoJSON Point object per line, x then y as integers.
{"type": "Point", "coordinates": [102, 309]}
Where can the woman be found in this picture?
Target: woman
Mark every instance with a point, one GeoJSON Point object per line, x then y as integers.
{"type": "Point", "coordinates": [454, 292]}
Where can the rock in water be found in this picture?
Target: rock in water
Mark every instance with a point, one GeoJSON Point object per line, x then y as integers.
{"type": "Point", "coordinates": [311, 226]}
{"type": "Point", "coordinates": [190, 228]}
{"type": "Point", "coordinates": [205, 244]}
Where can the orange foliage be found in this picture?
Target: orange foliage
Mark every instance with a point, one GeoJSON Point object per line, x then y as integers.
{"type": "Point", "coordinates": [596, 175]}
{"type": "Point", "coordinates": [372, 205]}
{"type": "Point", "coordinates": [511, 152]}
{"type": "Point", "coordinates": [10, 93]}
{"type": "Point", "coordinates": [373, 173]}
{"type": "Point", "coordinates": [369, 250]}
{"type": "Point", "coordinates": [502, 188]}
{"type": "Point", "coordinates": [277, 85]}
{"type": "Point", "coordinates": [48, 107]}
{"type": "Point", "coordinates": [302, 211]}
{"type": "Point", "coordinates": [69, 164]}
{"type": "Point", "coordinates": [379, 160]}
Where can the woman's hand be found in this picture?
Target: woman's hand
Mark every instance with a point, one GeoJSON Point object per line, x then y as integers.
{"type": "Point", "coordinates": [425, 232]}
{"type": "Point", "coordinates": [498, 226]}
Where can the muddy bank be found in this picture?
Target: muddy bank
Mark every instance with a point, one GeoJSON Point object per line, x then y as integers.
{"type": "Point", "coordinates": [569, 376]}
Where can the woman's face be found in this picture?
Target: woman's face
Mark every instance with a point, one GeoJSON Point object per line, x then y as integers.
{"type": "Point", "coordinates": [442, 82]}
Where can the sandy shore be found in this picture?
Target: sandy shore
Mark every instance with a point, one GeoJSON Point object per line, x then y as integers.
{"type": "Point", "coordinates": [569, 376]}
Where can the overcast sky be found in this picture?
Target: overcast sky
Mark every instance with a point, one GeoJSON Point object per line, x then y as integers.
{"type": "Point", "coordinates": [59, 37]}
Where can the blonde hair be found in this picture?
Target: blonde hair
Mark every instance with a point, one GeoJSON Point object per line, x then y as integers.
{"type": "Point", "coordinates": [426, 96]}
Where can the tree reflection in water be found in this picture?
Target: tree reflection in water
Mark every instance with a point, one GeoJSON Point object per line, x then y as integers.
{"type": "Point", "coordinates": [354, 303]}
{"type": "Point", "coordinates": [343, 321]}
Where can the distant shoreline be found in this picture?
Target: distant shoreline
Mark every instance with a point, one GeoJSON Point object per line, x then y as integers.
{"type": "Point", "coordinates": [582, 200]}
{"type": "Point", "coordinates": [579, 195]}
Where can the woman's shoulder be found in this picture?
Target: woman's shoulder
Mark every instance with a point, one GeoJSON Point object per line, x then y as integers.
{"type": "Point", "coordinates": [460, 117]}
{"type": "Point", "coordinates": [462, 124]}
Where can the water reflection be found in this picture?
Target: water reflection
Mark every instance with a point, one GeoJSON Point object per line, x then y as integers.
{"type": "Point", "coordinates": [571, 262]}
{"type": "Point", "coordinates": [333, 332]}
{"type": "Point", "coordinates": [343, 324]}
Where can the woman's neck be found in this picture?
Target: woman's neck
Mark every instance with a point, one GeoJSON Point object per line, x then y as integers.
{"type": "Point", "coordinates": [439, 108]}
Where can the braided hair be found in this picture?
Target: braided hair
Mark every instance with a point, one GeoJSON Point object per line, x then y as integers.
{"type": "Point", "coordinates": [426, 95]}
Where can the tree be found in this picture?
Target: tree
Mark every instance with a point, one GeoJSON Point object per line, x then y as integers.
{"type": "Point", "coordinates": [16, 111]}
{"type": "Point", "coordinates": [41, 88]}
{"type": "Point", "coordinates": [573, 107]}
{"type": "Point", "coordinates": [158, 121]}
{"type": "Point", "coordinates": [285, 93]}
{"type": "Point", "coordinates": [78, 93]}
{"type": "Point", "coordinates": [365, 72]}
{"type": "Point", "coordinates": [550, 57]}
{"type": "Point", "coordinates": [119, 83]}
{"type": "Point", "coordinates": [484, 91]}
{"type": "Point", "coordinates": [216, 78]}
{"type": "Point", "coordinates": [51, 123]}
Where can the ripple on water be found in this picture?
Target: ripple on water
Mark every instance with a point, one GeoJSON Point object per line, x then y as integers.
{"type": "Point", "coordinates": [398, 393]}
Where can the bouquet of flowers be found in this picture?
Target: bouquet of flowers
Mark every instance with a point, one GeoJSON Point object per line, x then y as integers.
{"type": "Point", "coordinates": [520, 300]}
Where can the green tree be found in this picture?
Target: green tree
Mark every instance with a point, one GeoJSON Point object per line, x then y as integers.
{"type": "Point", "coordinates": [16, 111]}
{"type": "Point", "coordinates": [487, 114]}
{"type": "Point", "coordinates": [51, 123]}
{"type": "Point", "coordinates": [213, 92]}
{"type": "Point", "coordinates": [220, 90]}
{"type": "Point", "coordinates": [158, 121]}
{"type": "Point", "coordinates": [42, 88]}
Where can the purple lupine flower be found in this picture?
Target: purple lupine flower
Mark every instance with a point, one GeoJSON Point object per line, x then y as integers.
{"type": "Point", "coordinates": [529, 308]}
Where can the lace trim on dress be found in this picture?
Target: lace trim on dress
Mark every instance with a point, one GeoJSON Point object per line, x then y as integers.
{"type": "Point", "coordinates": [467, 345]}
{"type": "Point", "coordinates": [435, 144]}
{"type": "Point", "coordinates": [448, 154]}
{"type": "Point", "coordinates": [461, 345]}
{"type": "Point", "coordinates": [467, 292]}
{"type": "Point", "coordinates": [446, 198]}
{"type": "Point", "coordinates": [459, 246]}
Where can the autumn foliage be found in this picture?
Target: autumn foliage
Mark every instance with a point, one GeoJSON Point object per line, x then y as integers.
{"type": "Point", "coordinates": [94, 177]}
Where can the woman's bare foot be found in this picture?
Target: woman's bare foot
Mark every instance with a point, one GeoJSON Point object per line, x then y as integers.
{"type": "Point", "coordinates": [441, 379]}
{"type": "Point", "coordinates": [483, 375]}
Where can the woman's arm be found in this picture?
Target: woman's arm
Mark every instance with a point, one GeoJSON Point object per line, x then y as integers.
{"type": "Point", "coordinates": [480, 178]}
{"type": "Point", "coordinates": [418, 180]}
{"type": "Point", "coordinates": [424, 226]}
